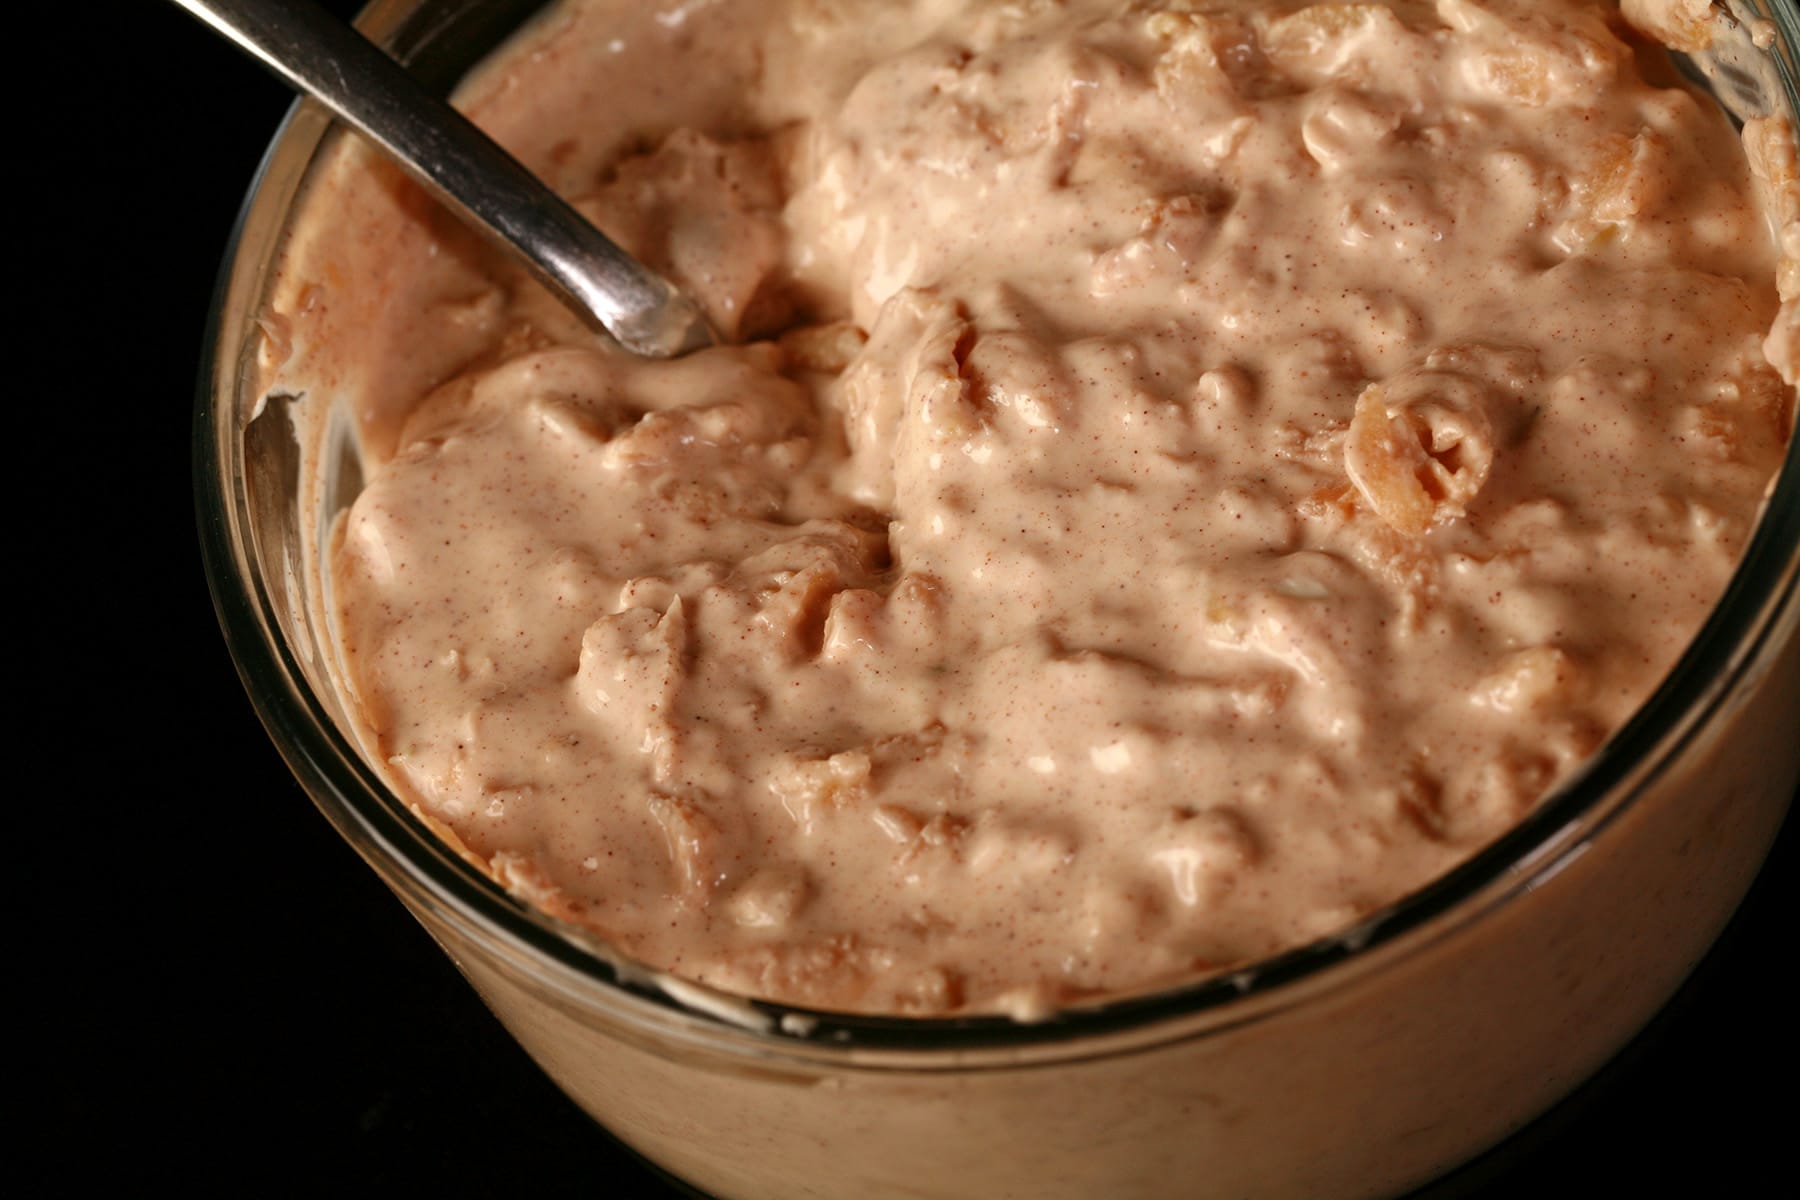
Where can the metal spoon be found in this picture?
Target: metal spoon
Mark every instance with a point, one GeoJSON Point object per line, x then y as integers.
{"type": "Point", "coordinates": [325, 59]}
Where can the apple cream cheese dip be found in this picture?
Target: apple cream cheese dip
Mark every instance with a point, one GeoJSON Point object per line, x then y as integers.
{"type": "Point", "coordinates": [1186, 475]}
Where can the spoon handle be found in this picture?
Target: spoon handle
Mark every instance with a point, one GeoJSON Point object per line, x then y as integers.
{"type": "Point", "coordinates": [322, 57]}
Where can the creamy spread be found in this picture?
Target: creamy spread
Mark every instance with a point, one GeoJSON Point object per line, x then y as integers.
{"type": "Point", "coordinates": [1187, 474]}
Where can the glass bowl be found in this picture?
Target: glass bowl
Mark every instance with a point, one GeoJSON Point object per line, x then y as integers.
{"type": "Point", "coordinates": [1358, 1065]}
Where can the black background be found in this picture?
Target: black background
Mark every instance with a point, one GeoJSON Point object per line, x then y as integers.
{"type": "Point", "coordinates": [219, 995]}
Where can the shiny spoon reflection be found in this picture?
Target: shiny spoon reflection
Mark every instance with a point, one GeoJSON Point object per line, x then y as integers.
{"type": "Point", "coordinates": [322, 57]}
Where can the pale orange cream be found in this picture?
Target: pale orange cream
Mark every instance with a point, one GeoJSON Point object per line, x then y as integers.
{"type": "Point", "coordinates": [1189, 475]}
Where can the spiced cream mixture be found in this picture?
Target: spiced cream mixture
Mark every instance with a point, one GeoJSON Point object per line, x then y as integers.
{"type": "Point", "coordinates": [1185, 474]}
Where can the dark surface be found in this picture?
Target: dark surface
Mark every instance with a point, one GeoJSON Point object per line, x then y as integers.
{"type": "Point", "coordinates": [220, 996]}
